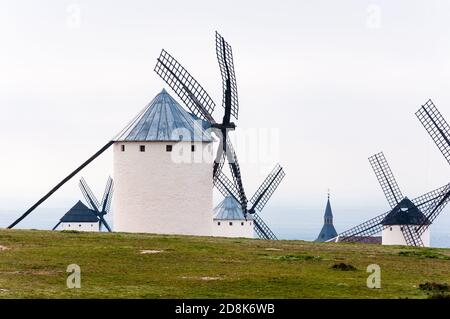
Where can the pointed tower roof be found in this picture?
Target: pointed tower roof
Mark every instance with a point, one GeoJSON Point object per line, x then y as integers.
{"type": "Point", "coordinates": [328, 212]}
{"type": "Point", "coordinates": [80, 213]}
{"type": "Point", "coordinates": [163, 119]}
{"type": "Point", "coordinates": [328, 231]}
{"type": "Point", "coordinates": [229, 209]}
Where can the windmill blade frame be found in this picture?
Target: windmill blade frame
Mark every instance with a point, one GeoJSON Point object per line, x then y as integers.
{"type": "Point", "coordinates": [93, 202]}
{"type": "Point", "coordinates": [435, 208]}
{"type": "Point", "coordinates": [368, 228]}
{"type": "Point", "coordinates": [412, 238]}
{"type": "Point", "coordinates": [226, 186]}
{"type": "Point", "coordinates": [218, 162]}
{"type": "Point", "coordinates": [236, 173]}
{"type": "Point", "coordinates": [436, 126]}
{"type": "Point", "coordinates": [89, 196]}
{"type": "Point", "coordinates": [103, 221]}
{"type": "Point", "coordinates": [224, 54]}
{"type": "Point", "coordinates": [108, 203]}
{"type": "Point", "coordinates": [185, 86]}
{"type": "Point", "coordinates": [386, 179]}
{"type": "Point", "coordinates": [427, 199]}
{"type": "Point", "coordinates": [107, 195]}
{"type": "Point", "coordinates": [412, 233]}
{"type": "Point", "coordinates": [261, 229]}
{"type": "Point", "coordinates": [267, 188]}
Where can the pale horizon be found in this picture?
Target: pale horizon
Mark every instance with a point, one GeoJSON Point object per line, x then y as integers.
{"type": "Point", "coordinates": [339, 82]}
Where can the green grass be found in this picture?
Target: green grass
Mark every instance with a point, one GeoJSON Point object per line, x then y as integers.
{"type": "Point", "coordinates": [33, 265]}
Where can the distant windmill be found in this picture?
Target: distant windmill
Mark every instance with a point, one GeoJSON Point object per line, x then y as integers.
{"type": "Point", "coordinates": [198, 101]}
{"type": "Point", "coordinates": [408, 220]}
{"type": "Point", "coordinates": [258, 200]}
{"type": "Point", "coordinates": [96, 209]}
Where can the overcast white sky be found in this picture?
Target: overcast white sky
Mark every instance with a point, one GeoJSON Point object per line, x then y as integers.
{"type": "Point", "coordinates": [339, 80]}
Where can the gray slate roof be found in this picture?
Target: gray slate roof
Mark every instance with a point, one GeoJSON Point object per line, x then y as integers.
{"type": "Point", "coordinates": [229, 209]}
{"type": "Point", "coordinates": [80, 213]}
{"type": "Point", "coordinates": [405, 213]}
{"type": "Point", "coordinates": [164, 119]}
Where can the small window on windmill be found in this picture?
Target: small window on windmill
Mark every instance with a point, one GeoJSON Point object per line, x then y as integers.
{"type": "Point", "coordinates": [142, 148]}
{"type": "Point", "coordinates": [192, 148]}
{"type": "Point", "coordinates": [231, 223]}
{"type": "Point", "coordinates": [168, 148]}
{"type": "Point", "coordinates": [390, 228]}
{"type": "Point", "coordinates": [242, 223]}
{"type": "Point", "coordinates": [79, 225]}
{"type": "Point", "coordinates": [122, 148]}
{"type": "Point", "coordinates": [218, 223]}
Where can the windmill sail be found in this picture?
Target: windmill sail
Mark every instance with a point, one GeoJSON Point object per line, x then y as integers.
{"type": "Point", "coordinates": [262, 230]}
{"type": "Point", "coordinates": [185, 86]}
{"type": "Point", "coordinates": [227, 188]}
{"type": "Point", "coordinates": [267, 188]}
{"type": "Point", "coordinates": [100, 210]}
{"type": "Point", "coordinates": [225, 58]}
{"type": "Point", "coordinates": [386, 179]}
{"type": "Point", "coordinates": [436, 126]}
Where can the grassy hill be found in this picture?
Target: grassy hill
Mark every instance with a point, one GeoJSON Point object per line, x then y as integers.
{"type": "Point", "coordinates": [33, 264]}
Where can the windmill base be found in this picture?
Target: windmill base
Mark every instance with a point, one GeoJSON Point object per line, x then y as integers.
{"type": "Point", "coordinates": [393, 235]}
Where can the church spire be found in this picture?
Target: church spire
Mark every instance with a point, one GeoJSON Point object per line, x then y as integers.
{"type": "Point", "coordinates": [328, 231]}
{"type": "Point", "coordinates": [328, 217]}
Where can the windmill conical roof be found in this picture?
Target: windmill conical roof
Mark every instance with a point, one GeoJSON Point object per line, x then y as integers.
{"type": "Point", "coordinates": [164, 119]}
{"type": "Point", "coordinates": [405, 213]}
{"type": "Point", "coordinates": [80, 213]}
{"type": "Point", "coordinates": [229, 209]}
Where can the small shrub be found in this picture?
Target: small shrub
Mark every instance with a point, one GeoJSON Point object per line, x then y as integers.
{"type": "Point", "coordinates": [295, 258]}
{"type": "Point", "coordinates": [435, 287]}
{"type": "Point", "coordinates": [343, 267]}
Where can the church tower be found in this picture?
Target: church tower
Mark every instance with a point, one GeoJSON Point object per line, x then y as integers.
{"type": "Point", "coordinates": [328, 230]}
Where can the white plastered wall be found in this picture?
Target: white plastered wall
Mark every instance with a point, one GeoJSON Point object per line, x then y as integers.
{"type": "Point", "coordinates": [393, 235]}
{"type": "Point", "coordinates": [223, 228]}
{"type": "Point", "coordinates": [160, 192]}
{"type": "Point", "coordinates": [80, 226]}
